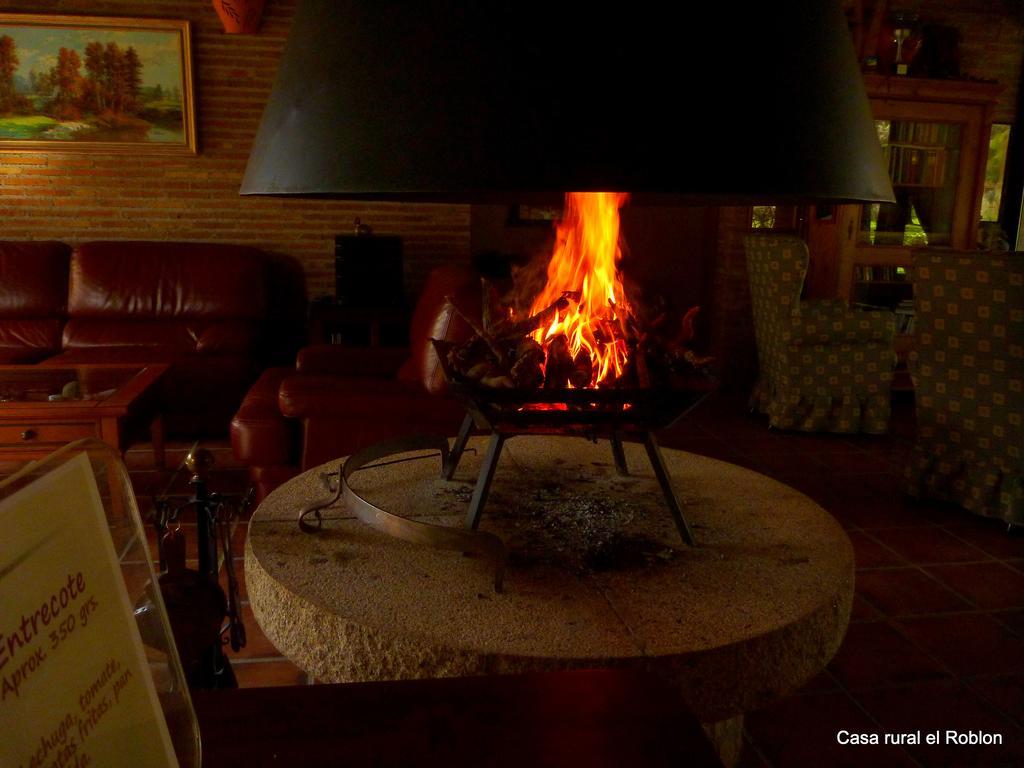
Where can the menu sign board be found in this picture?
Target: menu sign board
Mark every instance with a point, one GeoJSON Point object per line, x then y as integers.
{"type": "Point", "coordinates": [75, 685]}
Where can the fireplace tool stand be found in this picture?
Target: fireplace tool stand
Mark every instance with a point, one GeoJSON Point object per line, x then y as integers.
{"type": "Point", "coordinates": [614, 415]}
{"type": "Point", "coordinates": [196, 604]}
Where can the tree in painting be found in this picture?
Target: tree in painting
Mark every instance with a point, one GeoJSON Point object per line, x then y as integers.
{"type": "Point", "coordinates": [10, 100]}
{"type": "Point", "coordinates": [109, 88]}
{"type": "Point", "coordinates": [66, 104]}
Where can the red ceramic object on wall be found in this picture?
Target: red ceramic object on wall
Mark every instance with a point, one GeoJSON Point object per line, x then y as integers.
{"type": "Point", "coordinates": [239, 16]}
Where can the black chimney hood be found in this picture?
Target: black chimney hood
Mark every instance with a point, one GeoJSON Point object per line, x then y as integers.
{"type": "Point", "coordinates": [467, 101]}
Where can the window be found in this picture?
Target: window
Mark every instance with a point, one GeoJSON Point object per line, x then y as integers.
{"type": "Point", "coordinates": [782, 218]}
{"type": "Point", "coordinates": [762, 217]}
{"type": "Point", "coordinates": [995, 172]}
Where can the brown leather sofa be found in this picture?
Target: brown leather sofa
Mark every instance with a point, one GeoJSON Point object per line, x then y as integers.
{"type": "Point", "coordinates": [213, 311]}
{"type": "Point", "coordinates": [33, 300]}
{"type": "Point", "coordinates": [337, 399]}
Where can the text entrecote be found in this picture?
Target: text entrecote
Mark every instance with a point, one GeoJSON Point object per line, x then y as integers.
{"type": "Point", "coordinates": [30, 628]}
{"type": "Point", "coordinates": [50, 609]}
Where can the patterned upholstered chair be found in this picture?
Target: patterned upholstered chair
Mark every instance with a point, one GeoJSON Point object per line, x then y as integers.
{"type": "Point", "coordinates": [968, 372]}
{"type": "Point", "coordinates": [823, 366]}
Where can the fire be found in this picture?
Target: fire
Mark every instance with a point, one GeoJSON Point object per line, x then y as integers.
{"type": "Point", "coordinates": [584, 261]}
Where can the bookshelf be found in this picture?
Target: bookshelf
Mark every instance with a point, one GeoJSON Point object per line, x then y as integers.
{"type": "Point", "coordinates": [918, 153]}
{"type": "Point", "coordinates": [934, 134]}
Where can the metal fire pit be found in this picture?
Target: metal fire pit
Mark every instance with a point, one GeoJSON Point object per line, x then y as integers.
{"type": "Point", "coordinates": [611, 413]}
{"type": "Point", "coordinates": [591, 413]}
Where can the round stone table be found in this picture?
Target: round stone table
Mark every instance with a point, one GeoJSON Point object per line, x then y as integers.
{"type": "Point", "coordinates": [597, 576]}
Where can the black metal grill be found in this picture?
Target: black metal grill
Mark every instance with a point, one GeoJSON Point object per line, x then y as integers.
{"type": "Point", "coordinates": [593, 413]}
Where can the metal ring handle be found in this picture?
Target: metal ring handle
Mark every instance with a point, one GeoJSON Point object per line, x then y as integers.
{"type": "Point", "coordinates": [437, 536]}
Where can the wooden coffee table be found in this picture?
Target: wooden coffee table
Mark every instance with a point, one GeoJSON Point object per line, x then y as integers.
{"type": "Point", "coordinates": [44, 407]}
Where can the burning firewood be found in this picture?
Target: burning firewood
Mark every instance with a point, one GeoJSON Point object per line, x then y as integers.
{"type": "Point", "coordinates": [526, 339]}
{"type": "Point", "coordinates": [560, 365]}
{"type": "Point", "coordinates": [582, 370]}
{"type": "Point", "coordinates": [508, 356]}
{"type": "Point", "coordinates": [491, 342]}
{"type": "Point", "coordinates": [471, 359]}
{"type": "Point", "coordinates": [527, 371]}
{"type": "Point", "coordinates": [540, 319]}
{"type": "Point", "coordinates": [496, 378]}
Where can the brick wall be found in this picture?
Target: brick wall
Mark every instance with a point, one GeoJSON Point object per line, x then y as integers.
{"type": "Point", "coordinates": [79, 197]}
{"type": "Point", "coordinates": [76, 197]}
{"type": "Point", "coordinates": [991, 44]}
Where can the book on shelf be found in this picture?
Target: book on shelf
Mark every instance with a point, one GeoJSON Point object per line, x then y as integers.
{"type": "Point", "coordinates": [870, 273]}
{"type": "Point", "coordinates": [934, 134]}
{"type": "Point", "coordinates": [917, 166]}
{"type": "Point", "coordinates": [904, 312]}
{"type": "Point", "coordinates": [917, 153]}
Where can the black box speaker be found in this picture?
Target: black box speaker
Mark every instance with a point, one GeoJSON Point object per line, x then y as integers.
{"type": "Point", "coordinates": [368, 271]}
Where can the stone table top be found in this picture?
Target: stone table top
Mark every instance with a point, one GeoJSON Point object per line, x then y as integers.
{"type": "Point", "coordinates": [597, 575]}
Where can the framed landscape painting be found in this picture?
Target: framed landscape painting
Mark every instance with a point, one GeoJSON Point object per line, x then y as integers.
{"type": "Point", "coordinates": [95, 84]}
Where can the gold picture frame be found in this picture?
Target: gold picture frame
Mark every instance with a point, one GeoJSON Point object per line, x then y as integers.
{"type": "Point", "coordinates": [96, 84]}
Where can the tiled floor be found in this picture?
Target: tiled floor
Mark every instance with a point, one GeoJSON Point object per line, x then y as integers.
{"type": "Point", "coordinates": [936, 641]}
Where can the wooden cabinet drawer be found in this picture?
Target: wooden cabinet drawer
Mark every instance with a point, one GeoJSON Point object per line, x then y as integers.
{"type": "Point", "coordinates": [12, 435]}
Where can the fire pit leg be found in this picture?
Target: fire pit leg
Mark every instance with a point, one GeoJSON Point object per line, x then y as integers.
{"type": "Point", "coordinates": [483, 481]}
{"type": "Point", "coordinates": [619, 455]}
{"type": "Point", "coordinates": [448, 470]}
{"type": "Point", "coordinates": [661, 472]}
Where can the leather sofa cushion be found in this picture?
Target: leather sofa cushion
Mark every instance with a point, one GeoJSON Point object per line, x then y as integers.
{"type": "Point", "coordinates": [326, 396]}
{"type": "Point", "coordinates": [341, 416]}
{"type": "Point", "coordinates": [228, 337]}
{"type": "Point", "coordinates": [121, 280]}
{"type": "Point", "coordinates": [328, 439]}
{"type": "Point", "coordinates": [26, 341]}
{"type": "Point", "coordinates": [204, 337]}
{"type": "Point", "coordinates": [118, 355]}
{"type": "Point", "coordinates": [146, 335]}
{"type": "Point", "coordinates": [33, 279]}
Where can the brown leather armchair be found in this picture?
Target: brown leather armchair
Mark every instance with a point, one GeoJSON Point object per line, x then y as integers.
{"type": "Point", "coordinates": [339, 399]}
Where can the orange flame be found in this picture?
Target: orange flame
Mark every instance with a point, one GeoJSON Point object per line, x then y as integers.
{"type": "Point", "coordinates": [584, 260]}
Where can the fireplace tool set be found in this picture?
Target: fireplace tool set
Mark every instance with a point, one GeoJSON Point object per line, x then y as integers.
{"type": "Point", "coordinates": [202, 616]}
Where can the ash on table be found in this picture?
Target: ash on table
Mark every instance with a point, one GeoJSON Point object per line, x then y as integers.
{"type": "Point", "coordinates": [579, 531]}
